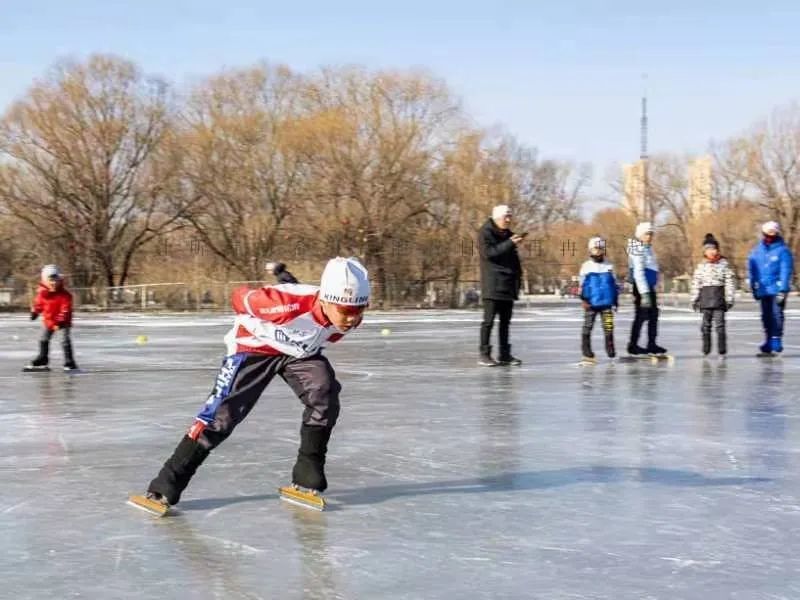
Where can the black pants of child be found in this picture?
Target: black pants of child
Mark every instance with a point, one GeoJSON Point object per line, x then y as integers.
{"type": "Point", "coordinates": [240, 382]}
{"type": "Point", "coordinates": [607, 318]}
{"type": "Point", "coordinates": [642, 314]}
{"type": "Point", "coordinates": [502, 309]}
{"type": "Point", "coordinates": [717, 318]}
{"type": "Point", "coordinates": [44, 347]}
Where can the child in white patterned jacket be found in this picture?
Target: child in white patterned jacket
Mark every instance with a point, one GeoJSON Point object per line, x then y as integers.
{"type": "Point", "coordinates": [713, 287]}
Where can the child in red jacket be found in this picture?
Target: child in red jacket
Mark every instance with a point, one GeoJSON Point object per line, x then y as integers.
{"type": "Point", "coordinates": [54, 303]}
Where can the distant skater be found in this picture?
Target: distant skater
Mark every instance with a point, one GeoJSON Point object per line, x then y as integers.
{"type": "Point", "coordinates": [54, 303]}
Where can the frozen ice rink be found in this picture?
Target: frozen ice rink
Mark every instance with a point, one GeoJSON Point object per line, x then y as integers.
{"type": "Point", "coordinates": [551, 481]}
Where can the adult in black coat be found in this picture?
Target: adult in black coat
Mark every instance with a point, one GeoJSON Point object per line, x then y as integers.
{"type": "Point", "coordinates": [501, 275]}
{"type": "Point", "coordinates": [278, 269]}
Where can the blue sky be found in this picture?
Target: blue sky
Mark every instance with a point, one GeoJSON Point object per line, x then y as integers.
{"type": "Point", "coordinates": [563, 76]}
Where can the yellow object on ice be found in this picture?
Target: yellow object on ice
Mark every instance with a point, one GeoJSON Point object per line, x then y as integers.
{"type": "Point", "coordinates": [141, 339]}
{"type": "Point", "coordinates": [153, 507]}
{"type": "Point", "coordinates": [386, 331]}
{"type": "Point", "coordinates": [307, 499]}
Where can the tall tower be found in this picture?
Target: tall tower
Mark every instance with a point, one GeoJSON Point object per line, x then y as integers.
{"type": "Point", "coordinates": [643, 127]}
{"type": "Point", "coordinates": [635, 175]}
{"type": "Point", "coordinates": [643, 157]}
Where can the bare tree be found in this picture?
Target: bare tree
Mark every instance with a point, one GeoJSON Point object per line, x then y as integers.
{"type": "Point", "coordinates": [767, 160]}
{"type": "Point", "coordinates": [240, 163]}
{"type": "Point", "coordinates": [81, 162]}
{"type": "Point", "coordinates": [371, 142]}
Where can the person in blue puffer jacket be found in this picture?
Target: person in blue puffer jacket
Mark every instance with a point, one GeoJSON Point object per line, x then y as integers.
{"type": "Point", "coordinates": [599, 295]}
{"type": "Point", "coordinates": [770, 269]}
{"type": "Point", "coordinates": [643, 274]}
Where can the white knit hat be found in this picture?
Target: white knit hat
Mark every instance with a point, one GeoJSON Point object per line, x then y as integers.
{"type": "Point", "coordinates": [500, 211]}
{"type": "Point", "coordinates": [49, 271]}
{"type": "Point", "coordinates": [345, 281]}
{"type": "Point", "coordinates": [771, 228]}
{"type": "Point", "coordinates": [642, 228]}
{"type": "Point", "coordinates": [597, 242]}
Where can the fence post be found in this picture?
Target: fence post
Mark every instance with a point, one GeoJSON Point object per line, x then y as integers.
{"type": "Point", "coordinates": [144, 297]}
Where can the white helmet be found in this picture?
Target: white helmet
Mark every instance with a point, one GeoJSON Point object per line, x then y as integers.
{"type": "Point", "coordinates": [50, 272]}
{"type": "Point", "coordinates": [345, 281]}
{"type": "Point", "coordinates": [643, 228]}
{"type": "Point", "coordinates": [771, 228]}
{"type": "Point", "coordinates": [596, 242]}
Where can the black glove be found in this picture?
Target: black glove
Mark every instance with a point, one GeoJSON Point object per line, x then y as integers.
{"type": "Point", "coordinates": [696, 305]}
{"type": "Point", "coordinates": [728, 306]}
{"type": "Point", "coordinates": [34, 316]}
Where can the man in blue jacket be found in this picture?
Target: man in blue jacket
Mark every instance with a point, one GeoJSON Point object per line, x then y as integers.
{"type": "Point", "coordinates": [770, 269]}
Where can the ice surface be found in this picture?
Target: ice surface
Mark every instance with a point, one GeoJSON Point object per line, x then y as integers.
{"type": "Point", "coordinates": [447, 480]}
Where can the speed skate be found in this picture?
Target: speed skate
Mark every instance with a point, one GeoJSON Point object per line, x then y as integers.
{"type": "Point", "coordinates": [653, 358]}
{"type": "Point", "coordinates": [302, 497]}
{"type": "Point", "coordinates": [154, 507]}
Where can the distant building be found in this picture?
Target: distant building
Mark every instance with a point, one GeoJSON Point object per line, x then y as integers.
{"type": "Point", "coordinates": [700, 186]}
{"type": "Point", "coordinates": [635, 188]}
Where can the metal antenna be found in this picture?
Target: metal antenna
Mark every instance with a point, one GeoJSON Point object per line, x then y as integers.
{"type": "Point", "coordinates": [643, 121]}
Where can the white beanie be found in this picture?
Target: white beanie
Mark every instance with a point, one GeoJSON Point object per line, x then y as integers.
{"type": "Point", "coordinates": [345, 281]}
{"type": "Point", "coordinates": [49, 271]}
{"type": "Point", "coordinates": [642, 228]}
{"type": "Point", "coordinates": [771, 228]}
{"type": "Point", "coordinates": [500, 211]}
{"type": "Point", "coordinates": [597, 242]}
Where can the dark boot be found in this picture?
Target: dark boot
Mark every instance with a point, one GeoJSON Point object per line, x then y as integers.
{"type": "Point", "coordinates": [610, 349]}
{"type": "Point", "coordinates": [486, 359]}
{"type": "Point", "coordinates": [506, 359]}
{"type": "Point", "coordinates": [309, 470]}
{"type": "Point", "coordinates": [43, 358]}
{"type": "Point", "coordinates": [178, 470]}
{"type": "Point", "coordinates": [722, 342]}
{"type": "Point", "coordinates": [69, 361]}
{"type": "Point", "coordinates": [656, 349]}
{"type": "Point", "coordinates": [652, 333]}
{"type": "Point", "coordinates": [586, 346]}
{"type": "Point", "coordinates": [636, 331]}
{"type": "Point", "coordinates": [706, 343]}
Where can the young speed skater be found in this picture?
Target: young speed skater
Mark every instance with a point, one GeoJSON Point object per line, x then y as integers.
{"type": "Point", "coordinates": [278, 330]}
{"type": "Point", "coordinates": [643, 273]}
{"type": "Point", "coordinates": [770, 268]}
{"type": "Point", "coordinates": [713, 287]}
{"type": "Point", "coordinates": [600, 296]}
{"type": "Point", "coordinates": [54, 303]}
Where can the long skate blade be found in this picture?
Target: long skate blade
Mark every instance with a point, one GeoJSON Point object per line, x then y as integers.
{"type": "Point", "coordinates": [662, 358]}
{"type": "Point", "coordinates": [30, 369]}
{"type": "Point", "coordinates": [302, 498]}
{"type": "Point", "coordinates": [146, 504]}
